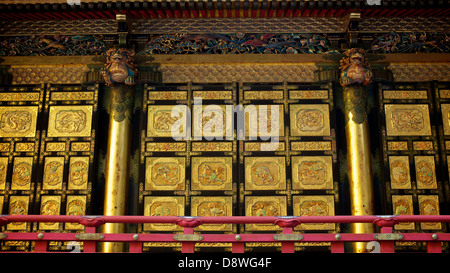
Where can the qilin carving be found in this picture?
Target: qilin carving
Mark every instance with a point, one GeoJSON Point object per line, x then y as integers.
{"type": "Point", "coordinates": [355, 68]}
{"type": "Point", "coordinates": [119, 67]}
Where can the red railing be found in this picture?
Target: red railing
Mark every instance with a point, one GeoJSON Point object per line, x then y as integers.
{"type": "Point", "coordinates": [386, 238]}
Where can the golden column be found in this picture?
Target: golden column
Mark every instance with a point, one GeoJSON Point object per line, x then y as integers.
{"type": "Point", "coordinates": [355, 75]}
{"type": "Point", "coordinates": [119, 73]}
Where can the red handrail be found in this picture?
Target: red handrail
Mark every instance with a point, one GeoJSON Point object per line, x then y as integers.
{"type": "Point", "coordinates": [433, 240]}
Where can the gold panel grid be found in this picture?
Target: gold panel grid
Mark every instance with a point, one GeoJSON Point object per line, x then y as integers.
{"type": "Point", "coordinates": [18, 121]}
{"type": "Point", "coordinates": [75, 205]}
{"type": "Point", "coordinates": [312, 172]}
{"type": "Point", "coordinates": [50, 205]}
{"type": "Point", "coordinates": [163, 206]}
{"type": "Point", "coordinates": [78, 172]}
{"type": "Point", "coordinates": [3, 172]}
{"type": "Point", "coordinates": [212, 206]}
{"type": "Point", "coordinates": [425, 172]}
{"type": "Point", "coordinates": [399, 172]}
{"type": "Point", "coordinates": [403, 205]}
{"type": "Point", "coordinates": [314, 205]}
{"type": "Point", "coordinates": [70, 121]}
{"type": "Point", "coordinates": [310, 119]}
{"type": "Point", "coordinates": [265, 173]}
{"type": "Point", "coordinates": [167, 121]}
{"type": "Point", "coordinates": [211, 173]}
{"type": "Point", "coordinates": [212, 121]}
{"type": "Point", "coordinates": [407, 120]}
{"type": "Point", "coordinates": [264, 120]}
{"type": "Point", "coordinates": [18, 205]}
{"type": "Point", "coordinates": [445, 108]}
{"type": "Point", "coordinates": [53, 173]}
{"type": "Point", "coordinates": [429, 205]}
{"type": "Point", "coordinates": [165, 173]}
{"type": "Point", "coordinates": [21, 177]}
{"type": "Point", "coordinates": [264, 206]}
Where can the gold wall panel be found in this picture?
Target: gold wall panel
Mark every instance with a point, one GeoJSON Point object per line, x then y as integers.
{"type": "Point", "coordinates": [163, 206]}
{"type": "Point", "coordinates": [423, 145]}
{"type": "Point", "coordinates": [212, 146]}
{"type": "Point", "coordinates": [18, 205]}
{"type": "Point", "coordinates": [167, 95]}
{"type": "Point", "coordinates": [212, 121]}
{"type": "Point", "coordinates": [265, 173]}
{"type": "Point", "coordinates": [22, 171]}
{"type": "Point", "coordinates": [399, 172]}
{"type": "Point", "coordinates": [160, 121]}
{"type": "Point", "coordinates": [24, 147]}
{"type": "Point", "coordinates": [403, 205]}
{"type": "Point", "coordinates": [308, 94]}
{"type": "Point", "coordinates": [264, 95]}
{"type": "Point", "coordinates": [55, 146]}
{"type": "Point", "coordinates": [75, 205]}
{"type": "Point", "coordinates": [70, 121]}
{"type": "Point", "coordinates": [405, 94]}
{"type": "Point", "coordinates": [257, 146]}
{"type": "Point", "coordinates": [18, 121]}
{"type": "Point", "coordinates": [429, 205]}
{"type": "Point", "coordinates": [258, 120]}
{"type": "Point", "coordinates": [264, 206]}
{"type": "Point", "coordinates": [3, 172]}
{"type": "Point", "coordinates": [314, 205]}
{"type": "Point", "coordinates": [211, 173]}
{"type": "Point", "coordinates": [53, 173]}
{"type": "Point", "coordinates": [165, 147]}
{"type": "Point", "coordinates": [445, 109]}
{"type": "Point", "coordinates": [50, 205]}
{"type": "Point", "coordinates": [425, 172]}
{"type": "Point", "coordinates": [165, 173]}
{"type": "Point", "coordinates": [407, 119]}
{"type": "Point", "coordinates": [397, 145]}
{"type": "Point", "coordinates": [310, 120]}
{"type": "Point", "coordinates": [78, 173]}
{"type": "Point", "coordinates": [212, 206]}
{"type": "Point", "coordinates": [213, 95]}
{"type": "Point", "coordinates": [311, 145]}
{"type": "Point", "coordinates": [312, 172]}
{"type": "Point", "coordinates": [68, 96]}
{"type": "Point", "coordinates": [80, 146]}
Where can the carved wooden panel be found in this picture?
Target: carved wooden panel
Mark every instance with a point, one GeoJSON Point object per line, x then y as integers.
{"type": "Point", "coordinates": [67, 156]}
{"type": "Point", "coordinates": [20, 132]}
{"type": "Point", "coordinates": [410, 137]}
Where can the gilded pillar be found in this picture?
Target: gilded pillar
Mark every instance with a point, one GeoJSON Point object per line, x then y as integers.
{"type": "Point", "coordinates": [355, 76]}
{"type": "Point", "coordinates": [119, 74]}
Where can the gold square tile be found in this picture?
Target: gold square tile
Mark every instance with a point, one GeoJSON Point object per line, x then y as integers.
{"type": "Point", "coordinates": [264, 206]}
{"type": "Point", "coordinates": [310, 119]}
{"type": "Point", "coordinates": [18, 121]}
{"type": "Point", "coordinates": [429, 205]}
{"type": "Point", "coordinates": [22, 171]}
{"type": "Point", "coordinates": [314, 205]}
{"type": "Point", "coordinates": [18, 205]}
{"type": "Point", "coordinates": [212, 206]}
{"type": "Point", "coordinates": [3, 172]}
{"type": "Point", "coordinates": [399, 172]}
{"type": "Point", "coordinates": [407, 120]}
{"type": "Point", "coordinates": [50, 205]}
{"type": "Point", "coordinates": [212, 121]}
{"type": "Point", "coordinates": [265, 173]}
{"type": "Point", "coordinates": [70, 121]}
{"type": "Point", "coordinates": [160, 122]}
{"type": "Point", "coordinates": [403, 205]}
{"type": "Point", "coordinates": [165, 173]}
{"type": "Point", "coordinates": [163, 206]}
{"type": "Point", "coordinates": [53, 173]}
{"type": "Point", "coordinates": [312, 172]}
{"type": "Point", "coordinates": [75, 205]}
{"type": "Point", "coordinates": [264, 120]}
{"type": "Point", "coordinates": [425, 172]}
{"type": "Point", "coordinates": [211, 173]}
{"type": "Point", "coordinates": [445, 109]}
{"type": "Point", "coordinates": [78, 172]}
